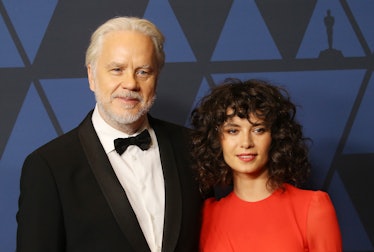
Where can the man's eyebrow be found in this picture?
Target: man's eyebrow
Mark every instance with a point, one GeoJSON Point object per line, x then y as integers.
{"type": "Point", "coordinates": [146, 66]}
{"type": "Point", "coordinates": [114, 64]}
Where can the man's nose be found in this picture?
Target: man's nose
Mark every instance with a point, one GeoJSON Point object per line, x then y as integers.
{"type": "Point", "coordinates": [128, 81]}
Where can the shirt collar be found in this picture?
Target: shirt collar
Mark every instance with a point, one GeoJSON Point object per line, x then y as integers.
{"type": "Point", "coordinates": [107, 133]}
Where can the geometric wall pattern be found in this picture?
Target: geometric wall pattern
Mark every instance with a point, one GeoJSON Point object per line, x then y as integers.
{"type": "Point", "coordinates": [327, 67]}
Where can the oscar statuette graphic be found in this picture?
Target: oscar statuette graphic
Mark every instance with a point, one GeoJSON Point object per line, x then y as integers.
{"type": "Point", "coordinates": [330, 52]}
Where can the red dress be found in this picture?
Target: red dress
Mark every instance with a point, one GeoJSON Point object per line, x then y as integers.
{"type": "Point", "coordinates": [291, 221]}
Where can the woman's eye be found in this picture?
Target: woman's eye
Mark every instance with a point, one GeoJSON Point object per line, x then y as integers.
{"type": "Point", "coordinates": [231, 131]}
{"type": "Point", "coordinates": [259, 130]}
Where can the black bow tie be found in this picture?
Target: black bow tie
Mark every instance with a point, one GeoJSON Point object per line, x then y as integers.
{"type": "Point", "coordinates": [143, 141]}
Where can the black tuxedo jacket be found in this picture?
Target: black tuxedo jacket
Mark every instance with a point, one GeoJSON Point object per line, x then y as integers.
{"type": "Point", "coordinates": [71, 199]}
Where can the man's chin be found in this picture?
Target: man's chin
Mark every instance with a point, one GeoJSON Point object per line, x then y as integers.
{"type": "Point", "coordinates": [127, 118]}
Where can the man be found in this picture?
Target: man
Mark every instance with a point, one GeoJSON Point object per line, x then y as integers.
{"type": "Point", "coordinates": [78, 193]}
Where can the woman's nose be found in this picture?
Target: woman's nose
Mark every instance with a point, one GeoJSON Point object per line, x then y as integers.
{"type": "Point", "coordinates": [247, 141]}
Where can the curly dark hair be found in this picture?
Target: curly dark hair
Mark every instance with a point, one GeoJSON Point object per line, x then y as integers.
{"type": "Point", "coordinates": [288, 154]}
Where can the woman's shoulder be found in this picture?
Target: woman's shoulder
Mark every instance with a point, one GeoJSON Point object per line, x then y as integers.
{"type": "Point", "coordinates": [293, 190]}
{"type": "Point", "coordinates": [307, 196]}
{"type": "Point", "coordinates": [217, 203]}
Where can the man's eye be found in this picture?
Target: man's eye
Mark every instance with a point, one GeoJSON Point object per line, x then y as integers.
{"type": "Point", "coordinates": [142, 73]}
{"type": "Point", "coordinates": [116, 70]}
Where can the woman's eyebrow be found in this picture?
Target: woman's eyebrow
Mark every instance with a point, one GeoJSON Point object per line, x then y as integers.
{"type": "Point", "coordinates": [230, 124]}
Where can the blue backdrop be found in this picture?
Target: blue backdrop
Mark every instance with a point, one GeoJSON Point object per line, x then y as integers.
{"type": "Point", "coordinates": [44, 91]}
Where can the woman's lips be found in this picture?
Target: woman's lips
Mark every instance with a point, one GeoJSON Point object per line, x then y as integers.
{"type": "Point", "coordinates": [247, 157]}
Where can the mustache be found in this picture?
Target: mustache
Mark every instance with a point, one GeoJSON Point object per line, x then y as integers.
{"type": "Point", "coordinates": [128, 94]}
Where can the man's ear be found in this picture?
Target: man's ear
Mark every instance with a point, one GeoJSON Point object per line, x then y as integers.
{"type": "Point", "coordinates": [90, 76]}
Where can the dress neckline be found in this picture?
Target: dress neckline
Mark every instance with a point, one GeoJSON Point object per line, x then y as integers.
{"type": "Point", "coordinates": [236, 198]}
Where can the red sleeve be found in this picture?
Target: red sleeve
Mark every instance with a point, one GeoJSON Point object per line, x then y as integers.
{"type": "Point", "coordinates": [323, 233]}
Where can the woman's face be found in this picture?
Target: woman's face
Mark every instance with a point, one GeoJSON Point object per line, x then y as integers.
{"type": "Point", "coordinates": [246, 146]}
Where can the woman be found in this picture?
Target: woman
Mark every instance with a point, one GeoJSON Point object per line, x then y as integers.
{"type": "Point", "coordinates": [245, 135]}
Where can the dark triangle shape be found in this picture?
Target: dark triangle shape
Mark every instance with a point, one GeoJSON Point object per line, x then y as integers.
{"type": "Point", "coordinates": [62, 50]}
{"type": "Point", "coordinates": [287, 21]}
{"type": "Point", "coordinates": [357, 170]}
{"type": "Point", "coordinates": [202, 22]}
{"type": "Point", "coordinates": [12, 94]}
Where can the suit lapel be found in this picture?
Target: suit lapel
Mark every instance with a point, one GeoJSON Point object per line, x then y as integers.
{"type": "Point", "coordinates": [110, 186]}
{"type": "Point", "coordinates": [173, 202]}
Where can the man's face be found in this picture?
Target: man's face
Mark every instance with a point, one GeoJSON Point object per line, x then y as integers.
{"type": "Point", "coordinates": [124, 78]}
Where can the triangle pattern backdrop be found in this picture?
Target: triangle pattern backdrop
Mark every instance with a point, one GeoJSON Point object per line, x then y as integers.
{"type": "Point", "coordinates": [44, 91]}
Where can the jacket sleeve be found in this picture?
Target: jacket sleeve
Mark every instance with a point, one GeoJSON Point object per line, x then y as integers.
{"type": "Point", "coordinates": [40, 222]}
{"type": "Point", "coordinates": [323, 233]}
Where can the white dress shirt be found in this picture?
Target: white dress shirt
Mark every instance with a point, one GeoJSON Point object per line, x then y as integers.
{"type": "Point", "coordinates": [140, 174]}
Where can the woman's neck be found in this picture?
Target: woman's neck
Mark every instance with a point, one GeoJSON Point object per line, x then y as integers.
{"type": "Point", "coordinates": [251, 190]}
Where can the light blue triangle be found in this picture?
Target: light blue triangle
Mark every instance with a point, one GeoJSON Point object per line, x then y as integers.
{"type": "Point", "coordinates": [32, 129]}
{"type": "Point", "coordinates": [362, 135]}
{"type": "Point", "coordinates": [315, 38]}
{"type": "Point", "coordinates": [30, 20]}
{"type": "Point", "coordinates": [363, 14]}
{"type": "Point", "coordinates": [176, 46]}
{"type": "Point", "coordinates": [353, 233]}
{"type": "Point", "coordinates": [71, 100]}
{"type": "Point", "coordinates": [323, 107]}
{"type": "Point", "coordinates": [8, 51]}
{"type": "Point", "coordinates": [245, 35]}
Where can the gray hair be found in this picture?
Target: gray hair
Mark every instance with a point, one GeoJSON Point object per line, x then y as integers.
{"type": "Point", "coordinates": [126, 24]}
